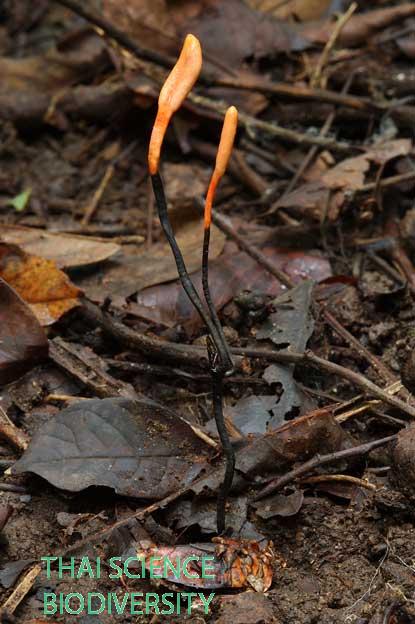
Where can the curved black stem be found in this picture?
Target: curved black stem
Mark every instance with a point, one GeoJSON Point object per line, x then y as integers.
{"type": "Point", "coordinates": [226, 358]}
{"type": "Point", "coordinates": [218, 350]}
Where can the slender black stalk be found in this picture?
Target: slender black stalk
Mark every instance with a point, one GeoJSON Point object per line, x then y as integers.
{"type": "Point", "coordinates": [219, 340]}
{"type": "Point", "coordinates": [217, 399]}
{"type": "Point", "coordinates": [226, 363]}
{"type": "Point", "coordinates": [218, 350]}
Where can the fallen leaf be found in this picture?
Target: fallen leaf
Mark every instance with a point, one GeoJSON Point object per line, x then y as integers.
{"type": "Point", "coordinates": [184, 514]}
{"type": "Point", "coordinates": [301, 438]}
{"type": "Point", "coordinates": [230, 274]}
{"type": "Point", "coordinates": [279, 505]}
{"type": "Point", "coordinates": [234, 563]}
{"type": "Point", "coordinates": [301, 10]}
{"type": "Point", "coordinates": [327, 192]}
{"type": "Point", "coordinates": [292, 324]}
{"type": "Point", "coordinates": [229, 30]}
{"type": "Point", "coordinates": [55, 69]}
{"type": "Point", "coordinates": [129, 274]}
{"type": "Point", "coordinates": [67, 251]}
{"type": "Point", "coordinates": [138, 448]}
{"type": "Point", "coordinates": [23, 343]}
{"type": "Point", "coordinates": [349, 173]}
{"type": "Point", "coordinates": [46, 289]}
{"type": "Point", "coordinates": [360, 27]}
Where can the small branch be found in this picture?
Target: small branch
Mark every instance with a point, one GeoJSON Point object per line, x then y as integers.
{"type": "Point", "coordinates": [342, 478]}
{"type": "Point", "coordinates": [196, 356]}
{"type": "Point", "coordinates": [284, 134]}
{"type": "Point", "coordinates": [114, 33]}
{"type": "Point", "coordinates": [320, 460]}
{"type": "Point", "coordinates": [316, 79]}
{"type": "Point", "coordinates": [23, 588]}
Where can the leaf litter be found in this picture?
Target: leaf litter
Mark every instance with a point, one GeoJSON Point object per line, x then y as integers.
{"type": "Point", "coordinates": [281, 409]}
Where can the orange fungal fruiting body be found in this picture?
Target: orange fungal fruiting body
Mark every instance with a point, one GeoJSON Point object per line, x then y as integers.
{"type": "Point", "coordinates": [174, 91]}
{"type": "Point", "coordinates": [223, 155]}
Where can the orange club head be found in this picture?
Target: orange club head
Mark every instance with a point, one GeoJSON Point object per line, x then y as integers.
{"type": "Point", "coordinates": [176, 88]}
{"type": "Point", "coordinates": [227, 138]}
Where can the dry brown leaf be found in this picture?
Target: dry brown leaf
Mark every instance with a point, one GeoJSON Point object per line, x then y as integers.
{"type": "Point", "coordinates": [326, 193]}
{"type": "Point", "coordinates": [132, 273]}
{"type": "Point", "coordinates": [55, 69]}
{"type": "Point", "coordinates": [302, 10]}
{"type": "Point", "coordinates": [229, 30]}
{"type": "Point", "coordinates": [67, 251]}
{"type": "Point", "coordinates": [349, 173]}
{"type": "Point", "coordinates": [46, 289]}
{"type": "Point", "coordinates": [360, 27]}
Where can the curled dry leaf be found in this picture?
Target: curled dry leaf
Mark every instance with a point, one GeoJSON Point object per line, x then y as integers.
{"type": "Point", "coordinates": [327, 193]}
{"type": "Point", "coordinates": [23, 343]}
{"type": "Point", "coordinates": [47, 290]}
{"type": "Point", "coordinates": [236, 564]}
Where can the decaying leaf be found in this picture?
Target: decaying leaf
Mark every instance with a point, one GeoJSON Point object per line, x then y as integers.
{"type": "Point", "coordinates": [46, 289]}
{"type": "Point", "coordinates": [55, 69]}
{"type": "Point", "coordinates": [316, 432]}
{"type": "Point", "coordinates": [229, 30]}
{"type": "Point", "coordinates": [324, 197]}
{"type": "Point", "coordinates": [292, 324]}
{"type": "Point", "coordinates": [230, 274]}
{"type": "Point", "coordinates": [360, 27]}
{"type": "Point", "coordinates": [185, 514]}
{"type": "Point", "coordinates": [301, 10]}
{"type": "Point", "coordinates": [23, 343]}
{"type": "Point", "coordinates": [139, 449]}
{"type": "Point", "coordinates": [235, 564]}
{"type": "Point", "coordinates": [283, 505]}
{"type": "Point", "coordinates": [67, 251]}
{"type": "Point", "coordinates": [129, 274]}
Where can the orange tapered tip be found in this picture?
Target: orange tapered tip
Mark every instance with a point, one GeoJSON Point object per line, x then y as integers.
{"type": "Point", "coordinates": [176, 88]}
{"type": "Point", "coordinates": [223, 155]}
{"type": "Point", "coordinates": [227, 139]}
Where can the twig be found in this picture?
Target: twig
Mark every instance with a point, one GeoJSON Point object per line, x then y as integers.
{"type": "Point", "coordinates": [342, 478]}
{"type": "Point", "coordinates": [92, 204]}
{"type": "Point", "coordinates": [320, 460]}
{"type": "Point", "coordinates": [316, 79]}
{"type": "Point", "coordinates": [87, 372]}
{"type": "Point", "coordinates": [387, 182]}
{"type": "Point", "coordinates": [23, 588]}
{"type": "Point", "coordinates": [291, 136]}
{"type": "Point", "coordinates": [382, 370]}
{"type": "Point", "coordinates": [196, 356]}
{"type": "Point", "coordinates": [112, 31]}
{"type": "Point", "coordinates": [12, 434]}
